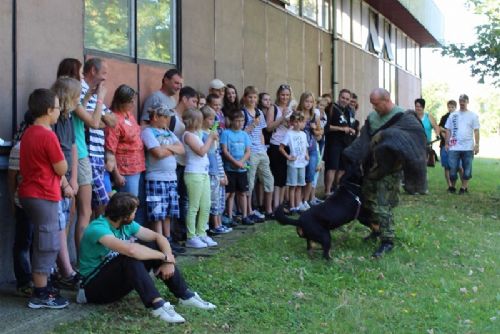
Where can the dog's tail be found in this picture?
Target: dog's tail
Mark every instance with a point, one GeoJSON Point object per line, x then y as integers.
{"type": "Point", "coordinates": [280, 216]}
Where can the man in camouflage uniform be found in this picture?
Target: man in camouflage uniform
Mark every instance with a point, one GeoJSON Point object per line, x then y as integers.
{"type": "Point", "coordinates": [381, 195]}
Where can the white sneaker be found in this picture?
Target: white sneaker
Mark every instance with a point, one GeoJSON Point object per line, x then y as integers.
{"type": "Point", "coordinates": [301, 207]}
{"type": "Point", "coordinates": [306, 205]}
{"type": "Point", "coordinates": [168, 314]}
{"type": "Point", "coordinates": [195, 242]}
{"type": "Point", "coordinates": [197, 302]}
{"type": "Point", "coordinates": [258, 214]}
{"type": "Point", "coordinates": [316, 201]}
{"type": "Point", "coordinates": [208, 241]}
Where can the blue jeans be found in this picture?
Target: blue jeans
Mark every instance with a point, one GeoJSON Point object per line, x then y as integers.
{"type": "Point", "coordinates": [311, 166]}
{"type": "Point", "coordinates": [457, 157]}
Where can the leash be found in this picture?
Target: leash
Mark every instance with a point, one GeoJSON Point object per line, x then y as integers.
{"type": "Point", "coordinates": [358, 201]}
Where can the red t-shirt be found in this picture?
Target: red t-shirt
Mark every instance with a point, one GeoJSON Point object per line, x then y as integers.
{"type": "Point", "coordinates": [40, 149]}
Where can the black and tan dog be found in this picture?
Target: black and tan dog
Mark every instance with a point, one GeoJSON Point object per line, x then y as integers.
{"type": "Point", "coordinates": [340, 208]}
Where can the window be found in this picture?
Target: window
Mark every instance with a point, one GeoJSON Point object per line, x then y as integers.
{"type": "Point", "coordinates": [373, 40]}
{"type": "Point", "coordinates": [388, 52]}
{"type": "Point", "coordinates": [110, 26]}
{"type": "Point", "coordinates": [294, 6]}
{"type": "Point", "coordinates": [346, 20]}
{"type": "Point", "coordinates": [310, 9]}
{"type": "Point", "coordinates": [318, 11]}
{"type": "Point", "coordinates": [356, 22]}
{"type": "Point", "coordinates": [401, 49]}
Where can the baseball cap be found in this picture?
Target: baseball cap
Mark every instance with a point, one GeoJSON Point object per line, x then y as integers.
{"type": "Point", "coordinates": [160, 110]}
{"type": "Point", "coordinates": [463, 97]}
{"type": "Point", "coordinates": [216, 84]}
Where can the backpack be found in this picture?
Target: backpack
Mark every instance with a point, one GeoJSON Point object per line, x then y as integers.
{"type": "Point", "coordinates": [267, 134]}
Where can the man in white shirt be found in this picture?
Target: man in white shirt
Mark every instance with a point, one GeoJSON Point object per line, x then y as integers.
{"type": "Point", "coordinates": [462, 142]}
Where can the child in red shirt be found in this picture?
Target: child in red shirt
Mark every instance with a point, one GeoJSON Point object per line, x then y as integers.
{"type": "Point", "coordinates": [42, 164]}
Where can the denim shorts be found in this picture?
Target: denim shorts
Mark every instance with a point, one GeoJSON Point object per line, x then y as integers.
{"type": "Point", "coordinates": [463, 157]}
{"type": "Point", "coordinates": [311, 166]}
{"type": "Point", "coordinates": [296, 176]}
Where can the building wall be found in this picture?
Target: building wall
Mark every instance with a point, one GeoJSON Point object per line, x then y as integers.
{"type": "Point", "coordinates": [251, 42]}
{"type": "Point", "coordinates": [6, 68]}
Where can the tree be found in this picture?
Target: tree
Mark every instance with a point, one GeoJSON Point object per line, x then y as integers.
{"type": "Point", "coordinates": [435, 95]}
{"type": "Point", "coordinates": [484, 55]}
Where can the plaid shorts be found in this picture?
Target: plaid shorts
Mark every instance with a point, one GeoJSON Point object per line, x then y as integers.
{"type": "Point", "coordinates": [162, 200]}
{"type": "Point", "coordinates": [99, 193]}
{"type": "Point", "coordinates": [217, 196]}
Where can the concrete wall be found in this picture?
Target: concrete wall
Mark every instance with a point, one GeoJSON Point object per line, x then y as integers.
{"type": "Point", "coordinates": [250, 42]}
{"type": "Point", "coordinates": [6, 69]}
{"type": "Point", "coordinates": [358, 71]}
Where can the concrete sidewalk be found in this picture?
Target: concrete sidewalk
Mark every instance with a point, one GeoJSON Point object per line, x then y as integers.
{"type": "Point", "coordinates": [16, 317]}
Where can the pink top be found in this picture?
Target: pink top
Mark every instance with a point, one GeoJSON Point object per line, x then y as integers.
{"type": "Point", "coordinates": [126, 144]}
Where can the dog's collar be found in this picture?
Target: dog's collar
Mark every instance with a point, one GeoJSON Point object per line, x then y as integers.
{"type": "Point", "coordinates": [358, 201]}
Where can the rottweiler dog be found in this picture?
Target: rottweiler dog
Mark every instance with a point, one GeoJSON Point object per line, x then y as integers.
{"type": "Point", "coordinates": [338, 209]}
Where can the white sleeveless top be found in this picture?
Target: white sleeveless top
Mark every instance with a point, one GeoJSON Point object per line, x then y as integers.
{"type": "Point", "coordinates": [195, 163]}
{"type": "Point", "coordinates": [279, 134]}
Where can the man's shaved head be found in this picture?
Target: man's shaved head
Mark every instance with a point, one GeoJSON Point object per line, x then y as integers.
{"type": "Point", "coordinates": [381, 101]}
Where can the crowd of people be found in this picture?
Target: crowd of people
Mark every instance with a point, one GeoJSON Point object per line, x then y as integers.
{"type": "Point", "coordinates": [193, 167]}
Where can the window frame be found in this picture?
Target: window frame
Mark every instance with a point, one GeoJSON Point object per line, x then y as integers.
{"type": "Point", "coordinates": [133, 38]}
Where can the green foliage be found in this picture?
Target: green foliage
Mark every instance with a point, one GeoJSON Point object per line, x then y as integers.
{"type": "Point", "coordinates": [435, 95]}
{"type": "Point", "coordinates": [108, 27]}
{"type": "Point", "coordinates": [484, 55]}
{"type": "Point", "coordinates": [442, 276]}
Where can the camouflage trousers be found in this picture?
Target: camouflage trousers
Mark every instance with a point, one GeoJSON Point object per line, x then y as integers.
{"type": "Point", "coordinates": [379, 198]}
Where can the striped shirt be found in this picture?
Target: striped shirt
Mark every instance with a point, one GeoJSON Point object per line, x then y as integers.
{"type": "Point", "coordinates": [256, 137]}
{"type": "Point", "coordinates": [95, 138]}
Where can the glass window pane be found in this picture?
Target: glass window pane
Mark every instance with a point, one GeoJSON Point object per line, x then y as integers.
{"type": "Point", "coordinates": [365, 23]}
{"type": "Point", "coordinates": [156, 30]}
{"type": "Point", "coordinates": [310, 9]}
{"type": "Point", "coordinates": [338, 17]}
{"type": "Point", "coordinates": [294, 6]}
{"type": "Point", "coordinates": [346, 20]}
{"type": "Point", "coordinates": [324, 14]}
{"type": "Point", "coordinates": [356, 22]}
{"type": "Point", "coordinates": [401, 47]}
{"type": "Point", "coordinates": [417, 60]}
{"type": "Point", "coordinates": [108, 26]}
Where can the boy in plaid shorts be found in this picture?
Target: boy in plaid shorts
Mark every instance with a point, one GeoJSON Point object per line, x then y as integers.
{"type": "Point", "coordinates": [161, 179]}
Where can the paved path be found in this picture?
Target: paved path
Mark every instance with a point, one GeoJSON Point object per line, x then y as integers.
{"type": "Point", "coordinates": [16, 317]}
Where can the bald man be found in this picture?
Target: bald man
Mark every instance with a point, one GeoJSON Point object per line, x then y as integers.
{"type": "Point", "coordinates": [382, 195]}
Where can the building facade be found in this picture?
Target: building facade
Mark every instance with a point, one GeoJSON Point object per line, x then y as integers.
{"type": "Point", "coordinates": [315, 45]}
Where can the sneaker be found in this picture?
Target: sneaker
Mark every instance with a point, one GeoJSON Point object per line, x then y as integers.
{"type": "Point", "coordinates": [227, 229]}
{"type": "Point", "coordinates": [462, 191]}
{"type": "Point", "coordinates": [197, 302]}
{"type": "Point", "coordinates": [306, 205]}
{"type": "Point", "coordinates": [195, 242]}
{"type": "Point", "coordinates": [452, 190]}
{"type": "Point", "coordinates": [208, 241]}
{"type": "Point", "coordinates": [55, 301]}
{"type": "Point", "coordinates": [256, 219]}
{"type": "Point", "coordinates": [168, 314]}
{"type": "Point", "coordinates": [218, 230]}
{"type": "Point", "coordinates": [258, 214]}
{"type": "Point", "coordinates": [315, 201]}
{"type": "Point", "coordinates": [68, 283]}
{"type": "Point", "coordinates": [247, 221]}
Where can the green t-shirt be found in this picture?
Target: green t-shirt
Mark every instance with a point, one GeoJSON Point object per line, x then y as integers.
{"type": "Point", "coordinates": [79, 130]}
{"type": "Point", "coordinates": [93, 253]}
{"type": "Point", "coordinates": [377, 121]}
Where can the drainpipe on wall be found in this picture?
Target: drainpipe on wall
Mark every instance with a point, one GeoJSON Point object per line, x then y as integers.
{"type": "Point", "coordinates": [334, 47]}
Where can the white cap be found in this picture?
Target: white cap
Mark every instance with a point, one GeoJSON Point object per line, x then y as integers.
{"type": "Point", "coordinates": [216, 84]}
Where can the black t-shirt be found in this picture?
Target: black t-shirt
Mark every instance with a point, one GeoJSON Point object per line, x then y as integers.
{"type": "Point", "coordinates": [442, 123]}
{"type": "Point", "coordinates": [339, 116]}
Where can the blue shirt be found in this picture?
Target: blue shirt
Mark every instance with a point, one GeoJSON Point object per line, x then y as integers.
{"type": "Point", "coordinates": [236, 142]}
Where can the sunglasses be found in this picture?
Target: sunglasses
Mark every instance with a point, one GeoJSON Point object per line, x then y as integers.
{"type": "Point", "coordinates": [284, 86]}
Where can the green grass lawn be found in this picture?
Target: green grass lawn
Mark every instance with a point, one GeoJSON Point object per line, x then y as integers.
{"type": "Point", "coordinates": [442, 277]}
